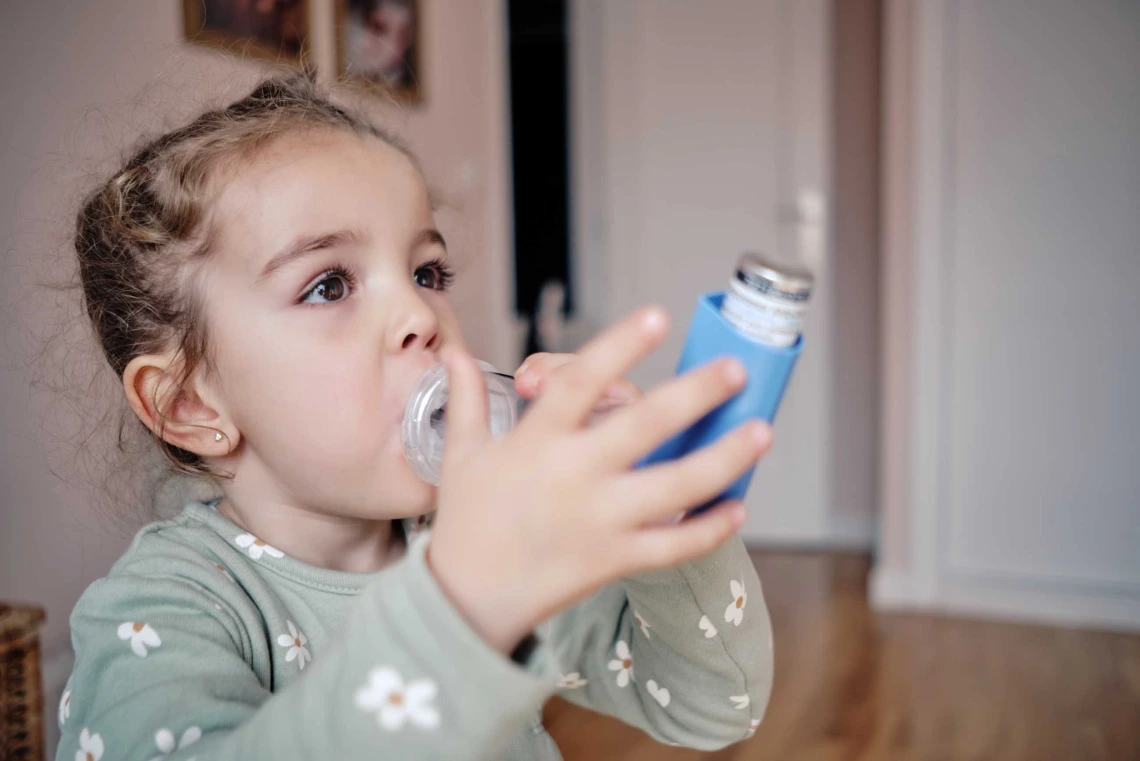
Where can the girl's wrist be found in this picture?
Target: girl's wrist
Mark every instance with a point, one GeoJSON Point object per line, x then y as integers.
{"type": "Point", "coordinates": [479, 606]}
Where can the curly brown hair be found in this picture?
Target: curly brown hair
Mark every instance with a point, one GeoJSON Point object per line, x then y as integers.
{"type": "Point", "coordinates": [142, 236]}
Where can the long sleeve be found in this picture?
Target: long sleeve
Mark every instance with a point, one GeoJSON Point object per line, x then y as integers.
{"type": "Point", "coordinates": [685, 653]}
{"type": "Point", "coordinates": [167, 668]}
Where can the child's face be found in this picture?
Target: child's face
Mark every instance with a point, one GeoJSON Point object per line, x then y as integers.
{"type": "Point", "coordinates": [315, 368]}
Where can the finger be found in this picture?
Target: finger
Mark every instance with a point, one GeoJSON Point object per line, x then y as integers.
{"type": "Point", "coordinates": [631, 433]}
{"type": "Point", "coordinates": [534, 374]}
{"type": "Point", "coordinates": [620, 393]}
{"type": "Point", "coordinates": [536, 370]}
{"type": "Point", "coordinates": [666, 489]}
{"type": "Point", "coordinates": [536, 363]}
{"type": "Point", "coordinates": [575, 389]}
{"type": "Point", "coordinates": [659, 547]}
{"type": "Point", "coordinates": [468, 417]}
{"type": "Point", "coordinates": [615, 398]}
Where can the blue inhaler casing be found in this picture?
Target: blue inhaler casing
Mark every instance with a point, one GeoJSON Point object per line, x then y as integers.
{"type": "Point", "coordinates": [769, 368]}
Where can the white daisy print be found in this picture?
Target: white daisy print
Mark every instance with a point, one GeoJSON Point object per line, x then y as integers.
{"type": "Point", "coordinates": [141, 636]}
{"type": "Point", "coordinates": [740, 702]}
{"type": "Point", "coordinates": [65, 707]}
{"type": "Point", "coordinates": [571, 681]}
{"type": "Point", "coordinates": [660, 694]}
{"type": "Point", "coordinates": [225, 571]}
{"type": "Point", "coordinates": [641, 622]}
{"type": "Point", "coordinates": [734, 613]}
{"type": "Point", "coordinates": [623, 664]}
{"type": "Point", "coordinates": [90, 746]}
{"type": "Point", "coordinates": [257, 547]}
{"type": "Point", "coordinates": [707, 627]}
{"type": "Point", "coordinates": [752, 727]}
{"type": "Point", "coordinates": [164, 740]}
{"type": "Point", "coordinates": [295, 641]}
{"type": "Point", "coordinates": [395, 703]}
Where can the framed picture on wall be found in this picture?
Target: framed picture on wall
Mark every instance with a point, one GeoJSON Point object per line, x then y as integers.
{"type": "Point", "coordinates": [379, 41]}
{"type": "Point", "coordinates": [276, 30]}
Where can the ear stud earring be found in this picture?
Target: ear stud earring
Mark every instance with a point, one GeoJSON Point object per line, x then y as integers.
{"type": "Point", "coordinates": [218, 436]}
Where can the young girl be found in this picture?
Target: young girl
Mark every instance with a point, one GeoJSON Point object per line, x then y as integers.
{"type": "Point", "coordinates": [268, 283]}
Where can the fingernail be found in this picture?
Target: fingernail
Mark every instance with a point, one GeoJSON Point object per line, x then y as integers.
{"type": "Point", "coordinates": [761, 433]}
{"type": "Point", "coordinates": [654, 319]}
{"type": "Point", "coordinates": [739, 514]}
{"type": "Point", "coordinates": [742, 512]}
{"type": "Point", "coordinates": [734, 372]}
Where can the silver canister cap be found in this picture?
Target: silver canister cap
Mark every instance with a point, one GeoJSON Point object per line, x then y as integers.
{"type": "Point", "coordinates": [783, 280]}
{"type": "Point", "coordinates": [767, 299]}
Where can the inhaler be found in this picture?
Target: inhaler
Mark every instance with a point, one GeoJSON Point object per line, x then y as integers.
{"type": "Point", "coordinates": [758, 320]}
{"type": "Point", "coordinates": [425, 417]}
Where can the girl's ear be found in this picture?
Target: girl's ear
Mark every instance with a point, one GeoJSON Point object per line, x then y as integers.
{"type": "Point", "coordinates": [184, 417]}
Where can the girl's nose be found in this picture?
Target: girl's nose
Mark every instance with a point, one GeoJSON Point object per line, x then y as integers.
{"type": "Point", "coordinates": [416, 328]}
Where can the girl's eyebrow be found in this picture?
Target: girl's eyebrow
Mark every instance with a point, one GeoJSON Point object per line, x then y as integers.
{"type": "Point", "coordinates": [303, 245]}
{"type": "Point", "coordinates": [430, 236]}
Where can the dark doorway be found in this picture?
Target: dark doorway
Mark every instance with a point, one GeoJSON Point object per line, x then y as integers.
{"type": "Point", "coordinates": [539, 154]}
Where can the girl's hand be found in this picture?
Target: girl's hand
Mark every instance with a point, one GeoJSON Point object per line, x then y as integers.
{"type": "Point", "coordinates": [534, 374]}
{"type": "Point", "coordinates": [531, 522]}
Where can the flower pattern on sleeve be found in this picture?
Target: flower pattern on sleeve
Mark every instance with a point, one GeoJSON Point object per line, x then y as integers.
{"type": "Point", "coordinates": [707, 627]}
{"type": "Point", "coordinates": [295, 640]}
{"type": "Point", "coordinates": [641, 622]}
{"type": "Point", "coordinates": [141, 636]}
{"type": "Point", "coordinates": [660, 694]}
{"type": "Point", "coordinates": [90, 746]}
{"type": "Point", "coordinates": [571, 681]}
{"type": "Point", "coordinates": [257, 547]}
{"type": "Point", "coordinates": [623, 664]}
{"type": "Point", "coordinates": [396, 704]}
{"type": "Point", "coordinates": [734, 613]}
{"type": "Point", "coordinates": [164, 741]}
{"type": "Point", "coordinates": [65, 707]}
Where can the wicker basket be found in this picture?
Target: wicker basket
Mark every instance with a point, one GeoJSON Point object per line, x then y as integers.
{"type": "Point", "coordinates": [21, 698]}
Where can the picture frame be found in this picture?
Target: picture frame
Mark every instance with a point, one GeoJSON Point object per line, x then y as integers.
{"type": "Point", "coordinates": [380, 42]}
{"type": "Point", "coordinates": [272, 30]}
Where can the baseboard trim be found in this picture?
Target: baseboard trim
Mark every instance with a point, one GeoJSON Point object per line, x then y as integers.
{"type": "Point", "coordinates": [1111, 610]}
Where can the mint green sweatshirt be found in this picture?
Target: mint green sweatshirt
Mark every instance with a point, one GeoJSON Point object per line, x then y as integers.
{"type": "Point", "coordinates": [205, 643]}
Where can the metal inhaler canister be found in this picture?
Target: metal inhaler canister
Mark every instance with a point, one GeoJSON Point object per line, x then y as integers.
{"type": "Point", "coordinates": [759, 321]}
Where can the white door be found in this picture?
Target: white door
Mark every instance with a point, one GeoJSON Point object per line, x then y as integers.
{"type": "Point", "coordinates": [1021, 456]}
{"type": "Point", "coordinates": [696, 129]}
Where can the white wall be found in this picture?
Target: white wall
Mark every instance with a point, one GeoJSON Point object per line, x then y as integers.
{"type": "Point", "coordinates": [698, 127]}
{"type": "Point", "coordinates": [80, 81]}
{"type": "Point", "coordinates": [1012, 355]}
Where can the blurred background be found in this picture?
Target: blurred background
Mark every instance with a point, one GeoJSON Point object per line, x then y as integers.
{"type": "Point", "coordinates": [949, 527]}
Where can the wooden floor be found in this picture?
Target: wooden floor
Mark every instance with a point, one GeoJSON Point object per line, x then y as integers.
{"type": "Point", "coordinates": [851, 684]}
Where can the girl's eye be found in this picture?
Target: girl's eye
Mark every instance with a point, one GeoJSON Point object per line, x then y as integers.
{"type": "Point", "coordinates": [435, 275]}
{"type": "Point", "coordinates": [332, 287]}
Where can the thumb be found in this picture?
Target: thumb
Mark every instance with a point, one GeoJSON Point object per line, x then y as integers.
{"type": "Point", "coordinates": [468, 416]}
